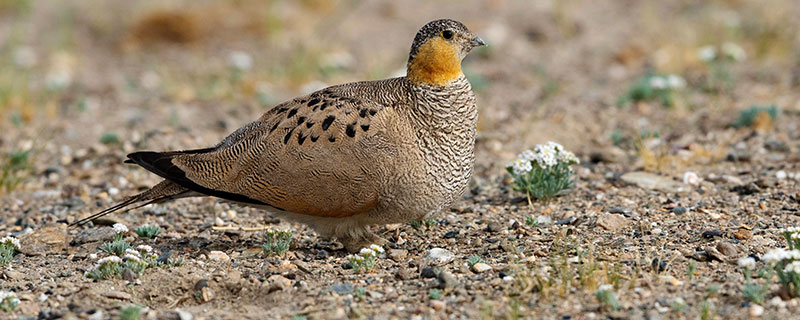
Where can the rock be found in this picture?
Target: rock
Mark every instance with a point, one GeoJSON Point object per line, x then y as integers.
{"type": "Point", "coordinates": [427, 273]}
{"type": "Point", "coordinates": [218, 256]}
{"type": "Point", "coordinates": [451, 235]}
{"type": "Point", "coordinates": [746, 189]}
{"type": "Point", "coordinates": [183, 315]}
{"type": "Point", "coordinates": [278, 282]}
{"type": "Point", "coordinates": [117, 295]}
{"type": "Point", "coordinates": [44, 241]}
{"type": "Point", "coordinates": [93, 235]}
{"type": "Point", "coordinates": [341, 288]}
{"type": "Point", "coordinates": [494, 227]}
{"type": "Point", "coordinates": [611, 222]}
{"type": "Point", "coordinates": [653, 182]}
{"type": "Point", "coordinates": [732, 180]}
{"type": "Point", "coordinates": [610, 154]}
{"type": "Point", "coordinates": [680, 210]}
{"type": "Point", "coordinates": [439, 257]}
{"type": "Point", "coordinates": [446, 280]}
{"type": "Point", "coordinates": [743, 234]}
{"type": "Point", "coordinates": [438, 305]}
{"type": "Point", "coordinates": [620, 210]}
{"type": "Point", "coordinates": [710, 234]}
{"type": "Point", "coordinates": [481, 267]}
{"type": "Point", "coordinates": [14, 275]}
{"type": "Point", "coordinates": [756, 310]}
{"type": "Point", "coordinates": [727, 249]}
{"type": "Point", "coordinates": [402, 274]}
{"type": "Point", "coordinates": [398, 255]}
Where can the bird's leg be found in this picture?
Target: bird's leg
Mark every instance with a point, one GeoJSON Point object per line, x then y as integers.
{"type": "Point", "coordinates": [355, 242]}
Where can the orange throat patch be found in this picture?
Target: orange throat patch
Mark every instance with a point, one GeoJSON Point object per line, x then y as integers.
{"type": "Point", "coordinates": [436, 63]}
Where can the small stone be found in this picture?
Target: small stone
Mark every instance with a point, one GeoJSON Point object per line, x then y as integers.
{"type": "Point", "coordinates": [781, 175]}
{"type": "Point", "coordinates": [756, 310]}
{"type": "Point", "coordinates": [680, 210]}
{"type": "Point", "coordinates": [481, 267]}
{"type": "Point", "coordinates": [710, 234]}
{"type": "Point", "coordinates": [451, 234]}
{"type": "Point", "coordinates": [218, 256]}
{"type": "Point", "coordinates": [398, 255]}
{"type": "Point", "coordinates": [118, 295]}
{"type": "Point", "coordinates": [44, 241]}
{"type": "Point", "coordinates": [278, 282]}
{"type": "Point", "coordinates": [653, 181]}
{"type": "Point", "coordinates": [494, 227]}
{"type": "Point", "coordinates": [732, 180]}
{"type": "Point", "coordinates": [611, 222]}
{"type": "Point", "coordinates": [183, 315]}
{"type": "Point", "coordinates": [341, 288]}
{"type": "Point", "coordinates": [402, 274]}
{"type": "Point", "coordinates": [446, 280]}
{"type": "Point", "coordinates": [438, 305]}
{"type": "Point", "coordinates": [427, 273]}
{"type": "Point", "coordinates": [656, 231]}
{"type": "Point", "coordinates": [727, 249]}
{"type": "Point", "coordinates": [14, 275]}
{"type": "Point", "coordinates": [743, 234]}
{"type": "Point", "coordinates": [439, 257]}
{"type": "Point", "coordinates": [93, 235]}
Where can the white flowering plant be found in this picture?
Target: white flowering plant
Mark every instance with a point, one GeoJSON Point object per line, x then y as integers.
{"type": "Point", "coordinates": [786, 263]}
{"type": "Point", "coordinates": [8, 301]}
{"type": "Point", "coordinates": [276, 242]}
{"type": "Point", "coordinates": [365, 260]}
{"type": "Point", "coordinates": [544, 171]}
{"type": "Point", "coordinates": [123, 256]}
{"type": "Point", "coordinates": [605, 294]}
{"type": "Point", "coordinates": [718, 61]}
{"type": "Point", "coordinates": [654, 87]}
{"type": "Point", "coordinates": [8, 247]}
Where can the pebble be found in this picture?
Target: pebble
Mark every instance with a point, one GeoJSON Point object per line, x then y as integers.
{"type": "Point", "coordinates": [781, 175]}
{"type": "Point", "coordinates": [44, 241]}
{"type": "Point", "coordinates": [481, 267]}
{"type": "Point", "coordinates": [680, 210]}
{"type": "Point", "coordinates": [710, 234]}
{"type": "Point", "coordinates": [183, 315]}
{"type": "Point", "coordinates": [398, 255]}
{"type": "Point", "coordinates": [611, 222]}
{"type": "Point", "coordinates": [446, 280]}
{"type": "Point", "coordinates": [653, 181]}
{"type": "Point", "coordinates": [93, 235]}
{"type": "Point", "coordinates": [494, 227]}
{"type": "Point", "coordinates": [218, 256]}
{"type": "Point", "coordinates": [743, 234]}
{"type": "Point", "coordinates": [402, 274]}
{"type": "Point", "coordinates": [756, 310]}
{"type": "Point", "coordinates": [427, 273]}
{"type": "Point", "coordinates": [278, 282]}
{"type": "Point", "coordinates": [656, 231]}
{"type": "Point", "coordinates": [438, 305]}
{"type": "Point", "coordinates": [439, 257]}
{"type": "Point", "coordinates": [727, 249]}
{"type": "Point", "coordinates": [341, 288]}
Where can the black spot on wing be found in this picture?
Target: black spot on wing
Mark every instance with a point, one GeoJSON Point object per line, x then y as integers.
{"type": "Point", "coordinates": [300, 138]}
{"type": "Point", "coordinates": [351, 130]}
{"type": "Point", "coordinates": [291, 113]}
{"type": "Point", "coordinates": [363, 113]}
{"type": "Point", "coordinates": [314, 138]}
{"type": "Point", "coordinates": [300, 120]}
{"type": "Point", "coordinates": [332, 139]}
{"type": "Point", "coordinates": [365, 127]}
{"type": "Point", "coordinates": [288, 136]}
{"type": "Point", "coordinates": [327, 122]}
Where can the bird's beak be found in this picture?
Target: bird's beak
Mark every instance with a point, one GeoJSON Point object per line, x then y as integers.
{"type": "Point", "coordinates": [477, 42]}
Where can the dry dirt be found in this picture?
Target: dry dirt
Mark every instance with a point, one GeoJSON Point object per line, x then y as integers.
{"type": "Point", "coordinates": [157, 76]}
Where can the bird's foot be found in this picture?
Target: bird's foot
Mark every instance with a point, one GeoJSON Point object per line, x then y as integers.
{"type": "Point", "coordinates": [354, 244]}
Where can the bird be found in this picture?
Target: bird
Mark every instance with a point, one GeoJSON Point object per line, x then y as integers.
{"type": "Point", "coordinates": [345, 158]}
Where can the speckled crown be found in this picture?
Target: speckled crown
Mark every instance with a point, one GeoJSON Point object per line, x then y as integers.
{"type": "Point", "coordinates": [433, 29]}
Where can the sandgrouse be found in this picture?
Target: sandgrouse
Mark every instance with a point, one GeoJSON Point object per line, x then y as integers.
{"type": "Point", "coordinates": [347, 156]}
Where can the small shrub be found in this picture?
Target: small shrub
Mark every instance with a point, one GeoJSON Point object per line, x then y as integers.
{"type": "Point", "coordinates": [365, 260]}
{"type": "Point", "coordinates": [435, 294]}
{"type": "Point", "coordinates": [8, 301]}
{"type": "Point", "coordinates": [109, 138]}
{"type": "Point", "coordinates": [786, 263]}
{"type": "Point", "coordinates": [750, 117]}
{"type": "Point", "coordinates": [277, 242]}
{"type": "Point", "coordinates": [116, 247]}
{"type": "Point", "coordinates": [147, 231]}
{"type": "Point", "coordinates": [8, 246]}
{"type": "Point", "coordinates": [543, 172]}
{"type": "Point", "coordinates": [654, 87]}
{"type": "Point", "coordinates": [472, 260]}
{"type": "Point", "coordinates": [605, 294]}
{"type": "Point", "coordinates": [14, 168]}
{"type": "Point", "coordinates": [130, 313]}
{"type": "Point", "coordinates": [106, 268]}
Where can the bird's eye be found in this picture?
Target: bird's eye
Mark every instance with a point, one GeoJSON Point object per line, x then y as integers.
{"type": "Point", "coordinates": [447, 34]}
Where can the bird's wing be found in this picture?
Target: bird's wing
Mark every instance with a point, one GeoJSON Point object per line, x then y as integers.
{"type": "Point", "coordinates": [321, 155]}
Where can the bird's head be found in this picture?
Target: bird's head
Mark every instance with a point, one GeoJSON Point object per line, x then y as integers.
{"type": "Point", "coordinates": [437, 51]}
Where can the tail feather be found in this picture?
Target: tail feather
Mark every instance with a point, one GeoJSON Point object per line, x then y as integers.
{"type": "Point", "coordinates": [164, 191]}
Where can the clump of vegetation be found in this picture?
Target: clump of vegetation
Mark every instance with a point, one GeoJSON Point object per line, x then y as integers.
{"type": "Point", "coordinates": [757, 116]}
{"type": "Point", "coordinates": [654, 87]}
{"type": "Point", "coordinates": [147, 231]}
{"type": "Point", "coordinates": [14, 168]}
{"type": "Point", "coordinates": [753, 291]}
{"type": "Point", "coordinates": [543, 172]}
{"type": "Point", "coordinates": [605, 294]}
{"type": "Point", "coordinates": [277, 242]}
{"type": "Point", "coordinates": [123, 256]}
{"type": "Point", "coordinates": [8, 247]}
{"type": "Point", "coordinates": [435, 294]}
{"type": "Point", "coordinates": [786, 263]}
{"type": "Point", "coordinates": [720, 77]}
{"type": "Point", "coordinates": [130, 313]}
{"type": "Point", "coordinates": [8, 301]}
{"type": "Point", "coordinates": [473, 260]}
{"type": "Point", "coordinates": [109, 138]}
{"type": "Point", "coordinates": [365, 260]}
{"type": "Point", "coordinates": [428, 223]}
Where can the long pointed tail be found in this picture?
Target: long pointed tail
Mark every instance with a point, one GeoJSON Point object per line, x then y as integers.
{"type": "Point", "coordinates": [164, 191]}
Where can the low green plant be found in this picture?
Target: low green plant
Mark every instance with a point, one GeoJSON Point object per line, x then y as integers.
{"type": "Point", "coordinates": [531, 221]}
{"type": "Point", "coordinates": [747, 117]}
{"type": "Point", "coordinates": [653, 87]}
{"type": "Point", "coordinates": [276, 242]}
{"type": "Point", "coordinates": [116, 247]}
{"type": "Point", "coordinates": [679, 305]}
{"type": "Point", "coordinates": [605, 294]}
{"type": "Point", "coordinates": [706, 310]}
{"type": "Point", "coordinates": [359, 292]}
{"type": "Point", "coordinates": [719, 63]}
{"type": "Point", "coordinates": [691, 268]}
{"type": "Point", "coordinates": [130, 313]}
{"type": "Point", "coordinates": [8, 247]}
{"type": "Point", "coordinates": [106, 268]}
{"type": "Point", "coordinates": [147, 231]}
{"type": "Point", "coordinates": [786, 263]}
{"type": "Point", "coordinates": [543, 172]}
{"type": "Point", "coordinates": [8, 301]}
{"type": "Point", "coordinates": [472, 260]}
{"type": "Point", "coordinates": [14, 168]}
{"type": "Point", "coordinates": [435, 294]}
{"type": "Point", "coordinates": [365, 260]}
{"type": "Point", "coordinates": [109, 138]}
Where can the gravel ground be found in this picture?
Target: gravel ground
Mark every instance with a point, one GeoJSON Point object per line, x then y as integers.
{"type": "Point", "coordinates": [110, 80]}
